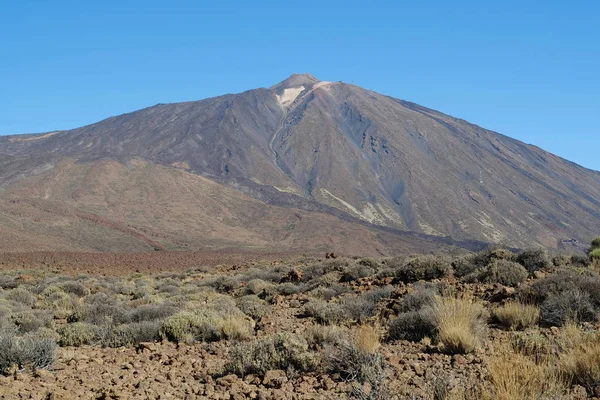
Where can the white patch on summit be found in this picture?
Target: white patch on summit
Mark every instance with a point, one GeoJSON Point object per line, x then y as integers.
{"type": "Point", "coordinates": [289, 95]}
{"type": "Point", "coordinates": [325, 84]}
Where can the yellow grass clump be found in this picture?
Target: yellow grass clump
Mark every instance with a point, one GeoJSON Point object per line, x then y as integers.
{"type": "Point", "coordinates": [367, 339]}
{"type": "Point", "coordinates": [516, 315]}
{"type": "Point", "coordinates": [515, 376]}
{"type": "Point", "coordinates": [460, 324]}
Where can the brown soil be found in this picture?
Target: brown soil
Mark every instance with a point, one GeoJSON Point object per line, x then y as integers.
{"type": "Point", "coordinates": [119, 264]}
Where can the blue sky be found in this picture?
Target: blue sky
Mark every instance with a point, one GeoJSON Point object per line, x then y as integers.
{"type": "Point", "coordinates": [527, 69]}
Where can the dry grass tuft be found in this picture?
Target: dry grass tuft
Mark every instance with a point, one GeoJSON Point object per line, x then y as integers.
{"type": "Point", "coordinates": [368, 338]}
{"type": "Point", "coordinates": [582, 366]}
{"type": "Point", "coordinates": [516, 315]}
{"type": "Point", "coordinates": [460, 324]}
{"type": "Point", "coordinates": [515, 376]}
{"type": "Point", "coordinates": [236, 328]}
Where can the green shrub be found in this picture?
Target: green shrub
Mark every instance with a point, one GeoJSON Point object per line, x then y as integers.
{"type": "Point", "coordinates": [596, 243]}
{"type": "Point", "coordinates": [37, 352]}
{"type": "Point", "coordinates": [412, 325]}
{"type": "Point", "coordinates": [253, 306]}
{"type": "Point", "coordinates": [534, 259]}
{"type": "Point", "coordinates": [357, 272]}
{"type": "Point", "coordinates": [564, 280]}
{"type": "Point", "coordinates": [283, 351]}
{"type": "Point", "coordinates": [8, 349]}
{"type": "Point", "coordinates": [466, 265]}
{"type": "Point", "coordinates": [22, 296]}
{"type": "Point", "coordinates": [185, 326]}
{"type": "Point", "coordinates": [565, 306]}
{"type": "Point", "coordinates": [257, 286]}
{"type": "Point", "coordinates": [353, 364]}
{"type": "Point", "coordinates": [423, 268]}
{"type": "Point", "coordinates": [133, 334]}
{"type": "Point", "coordinates": [75, 288]}
{"type": "Point", "coordinates": [421, 296]}
{"type": "Point", "coordinates": [30, 321]}
{"type": "Point", "coordinates": [504, 272]}
{"type": "Point", "coordinates": [288, 289]}
{"type": "Point", "coordinates": [8, 282]}
{"type": "Point", "coordinates": [320, 335]}
{"type": "Point", "coordinates": [362, 307]}
{"type": "Point", "coordinates": [151, 312]}
{"type": "Point", "coordinates": [77, 334]}
{"type": "Point", "coordinates": [469, 265]}
{"type": "Point", "coordinates": [369, 262]}
{"type": "Point", "coordinates": [326, 313]}
{"type": "Point", "coordinates": [225, 284]}
{"type": "Point", "coordinates": [30, 350]}
{"type": "Point", "coordinates": [595, 254]}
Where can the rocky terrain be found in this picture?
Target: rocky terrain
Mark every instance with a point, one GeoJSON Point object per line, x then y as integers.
{"type": "Point", "coordinates": [488, 325]}
{"type": "Point", "coordinates": [303, 165]}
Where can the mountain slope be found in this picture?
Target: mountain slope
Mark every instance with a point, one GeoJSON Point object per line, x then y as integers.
{"type": "Point", "coordinates": [332, 151]}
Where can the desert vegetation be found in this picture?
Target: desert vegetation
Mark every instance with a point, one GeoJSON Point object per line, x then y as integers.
{"type": "Point", "coordinates": [495, 324]}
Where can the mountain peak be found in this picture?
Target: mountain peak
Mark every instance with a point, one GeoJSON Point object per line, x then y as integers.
{"type": "Point", "coordinates": [296, 80]}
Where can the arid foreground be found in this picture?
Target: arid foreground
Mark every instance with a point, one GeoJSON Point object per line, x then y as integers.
{"type": "Point", "coordinates": [491, 325]}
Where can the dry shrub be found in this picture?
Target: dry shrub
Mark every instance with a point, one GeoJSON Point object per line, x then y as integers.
{"type": "Point", "coordinates": [253, 306]}
{"type": "Point", "coordinates": [132, 334]}
{"type": "Point", "coordinates": [186, 326]}
{"type": "Point", "coordinates": [422, 295]}
{"type": "Point", "coordinates": [580, 356]}
{"type": "Point", "coordinates": [237, 327]}
{"type": "Point", "coordinates": [22, 296]}
{"type": "Point", "coordinates": [516, 315]}
{"type": "Point", "coordinates": [423, 268]}
{"type": "Point", "coordinates": [31, 321]}
{"type": "Point", "coordinates": [504, 272]}
{"type": "Point", "coordinates": [582, 366]}
{"type": "Point", "coordinates": [285, 351]}
{"type": "Point", "coordinates": [460, 324]}
{"type": "Point", "coordinates": [532, 344]}
{"type": "Point", "coordinates": [363, 307]}
{"type": "Point", "coordinates": [257, 286]}
{"type": "Point", "coordinates": [413, 325]}
{"type": "Point", "coordinates": [565, 306]}
{"type": "Point", "coordinates": [206, 325]}
{"type": "Point", "coordinates": [361, 367]}
{"type": "Point", "coordinates": [571, 336]}
{"type": "Point", "coordinates": [368, 338]}
{"type": "Point", "coordinates": [29, 350]}
{"type": "Point", "coordinates": [326, 313]}
{"type": "Point", "coordinates": [321, 335]}
{"type": "Point", "coordinates": [534, 259]}
{"type": "Point", "coordinates": [77, 334]}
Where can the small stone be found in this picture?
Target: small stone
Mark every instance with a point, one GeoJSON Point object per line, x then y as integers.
{"type": "Point", "coordinates": [419, 369]}
{"type": "Point", "coordinates": [274, 378]}
{"type": "Point", "coordinates": [539, 274]}
{"type": "Point", "coordinates": [579, 392]}
{"type": "Point", "coordinates": [44, 375]}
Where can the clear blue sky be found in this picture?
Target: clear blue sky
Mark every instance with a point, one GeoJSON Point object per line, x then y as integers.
{"type": "Point", "coordinates": [528, 69]}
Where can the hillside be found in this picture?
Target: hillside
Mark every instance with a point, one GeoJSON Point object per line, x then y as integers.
{"type": "Point", "coordinates": [304, 164]}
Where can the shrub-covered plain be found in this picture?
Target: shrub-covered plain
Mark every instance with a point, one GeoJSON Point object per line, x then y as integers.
{"type": "Point", "coordinates": [345, 318]}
